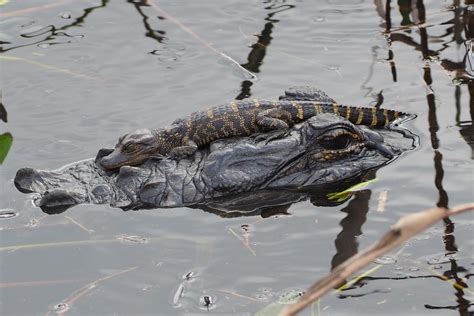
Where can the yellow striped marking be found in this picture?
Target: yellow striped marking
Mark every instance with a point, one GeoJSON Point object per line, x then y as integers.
{"type": "Point", "coordinates": [348, 112]}
{"type": "Point", "coordinates": [395, 114]}
{"type": "Point", "coordinates": [256, 103]}
{"type": "Point", "coordinates": [335, 109]}
{"type": "Point", "coordinates": [299, 109]}
{"type": "Point", "coordinates": [234, 107]}
{"type": "Point", "coordinates": [360, 117]}
{"type": "Point", "coordinates": [385, 114]}
{"type": "Point", "coordinates": [317, 108]}
{"type": "Point", "coordinates": [374, 117]}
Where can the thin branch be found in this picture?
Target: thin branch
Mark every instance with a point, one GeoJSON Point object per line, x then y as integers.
{"type": "Point", "coordinates": [33, 9]}
{"type": "Point", "coordinates": [87, 288]}
{"type": "Point", "coordinates": [46, 66]}
{"type": "Point", "coordinates": [406, 227]}
{"type": "Point", "coordinates": [206, 44]}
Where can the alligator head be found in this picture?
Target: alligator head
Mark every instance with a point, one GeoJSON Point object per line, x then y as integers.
{"type": "Point", "coordinates": [132, 149]}
{"type": "Point", "coordinates": [318, 153]}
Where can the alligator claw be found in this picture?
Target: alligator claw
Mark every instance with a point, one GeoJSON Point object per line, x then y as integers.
{"type": "Point", "coordinates": [159, 157]}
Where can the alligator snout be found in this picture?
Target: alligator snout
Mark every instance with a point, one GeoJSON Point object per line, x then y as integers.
{"type": "Point", "coordinates": [375, 140]}
{"type": "Point", "coordinates": [115, 159]}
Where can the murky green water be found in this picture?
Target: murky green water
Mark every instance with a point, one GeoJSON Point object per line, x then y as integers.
{"type": "Point", "coordinates": [77, 74]}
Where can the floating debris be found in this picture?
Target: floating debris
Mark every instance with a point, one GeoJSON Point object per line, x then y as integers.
{"type": "Point", "coordinates": [188, 276]}
{"type": "Point", "coordinates": [134, 239]}
{"type": "Point", "coordinates": [207, 302]}
{"type": "Point", "coordinates": [178, 295]}
{"type": "Point", "coordinates": [8, 213]}
{"type": "Point", "coordinates": [61, 308]}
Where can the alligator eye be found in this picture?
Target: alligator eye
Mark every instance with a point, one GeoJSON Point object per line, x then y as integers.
{"type": "Point", "coordinates": [129, 147]}
{"type": "Point", "coordinates": [337, 142]}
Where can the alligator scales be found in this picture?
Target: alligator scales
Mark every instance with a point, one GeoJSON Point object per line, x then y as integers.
{"type": "Point", "coordinates": [266, 120]}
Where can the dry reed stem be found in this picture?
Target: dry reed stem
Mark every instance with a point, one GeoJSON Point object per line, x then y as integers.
{"type": "Point", "coordinates": [206, 44]}
{"type": "Point", "coordinates": [405, 228]}
{"type": "Point", "coordinates": [33, 9]}
{"type": "Point", "coordinates": [87, 288]}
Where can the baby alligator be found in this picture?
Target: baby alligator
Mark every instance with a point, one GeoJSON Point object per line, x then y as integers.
{"type": "Point", "coordinates": [266, 120]}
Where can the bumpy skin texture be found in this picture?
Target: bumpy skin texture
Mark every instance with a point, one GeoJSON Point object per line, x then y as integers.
{"type": "Point", "coordinates": [281, 169]}
{"type": "Point", "coordinates": [238, 118]}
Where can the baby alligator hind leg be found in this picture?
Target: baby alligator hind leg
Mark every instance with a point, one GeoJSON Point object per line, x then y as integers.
{"type": "Point", "coordinates": [184, 151]}
{"type": "Point", "coordinates": [273, 121]}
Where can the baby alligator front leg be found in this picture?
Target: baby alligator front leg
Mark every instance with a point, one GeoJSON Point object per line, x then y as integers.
{"type": "Point", "coordinates": [273, 123]}
{"type": "Point", "coordinates": [184, 151]}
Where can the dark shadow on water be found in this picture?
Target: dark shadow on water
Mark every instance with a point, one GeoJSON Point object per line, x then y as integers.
{"type": "Point", "coordinates": [461, 21]}
{"type": "Point", "coordinates": [3, 110]}
{"type": "Point", "coordinates": [54, 33]}
{"type": "Point", "coordinates": [266, 203]}
{"type": "Point", "coordinates": [346, 241]}
{"type": "Point", "coordinates": [158, 35]}
{"type": "Point", "coordinates": [259, 49]}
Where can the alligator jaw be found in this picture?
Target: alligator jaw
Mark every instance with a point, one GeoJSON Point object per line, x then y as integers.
{"type": "Point", "coordinates": [114, 160]}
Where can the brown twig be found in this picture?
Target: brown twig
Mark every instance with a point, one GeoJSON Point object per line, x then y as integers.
{"type": "Point", "coordinates": [72, 220]}
{"type": "Point", "coordinates": [229, 292]}
{"type": "Point", "coordinates": [405, 228]}
{"type": "Point", "coordinates": [87, 288]}
{"type": "Point", "coordinates": [206, 44]}
{"type": "Point", "coordinates": [246, 244]}
{"type": "Point", "coordinates": [34, 9]}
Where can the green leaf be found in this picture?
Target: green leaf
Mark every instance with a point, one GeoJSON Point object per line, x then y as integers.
{"type": "Point", "coordinates": [6, 141]}
{"type": "Point", "coordinates": [344, 195]}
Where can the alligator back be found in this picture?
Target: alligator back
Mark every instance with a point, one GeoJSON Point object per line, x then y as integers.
{"type": "Point", "coordinates": [240, 118]}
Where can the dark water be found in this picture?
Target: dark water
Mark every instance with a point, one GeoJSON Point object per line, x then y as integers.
{"type": "Point", "coordinates": [77, 74]}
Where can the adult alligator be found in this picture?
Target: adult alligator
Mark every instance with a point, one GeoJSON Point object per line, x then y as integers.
{"type": "Point", "coordinates": [264, 120]}
{"type": "Point", "coordinates": [233, 173]}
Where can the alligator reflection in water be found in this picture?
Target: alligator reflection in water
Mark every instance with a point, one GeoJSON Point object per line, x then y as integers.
{"type": "Point", "coordinates": [462, 73]}
{"type": "Point", "coordinates": [259, 49]}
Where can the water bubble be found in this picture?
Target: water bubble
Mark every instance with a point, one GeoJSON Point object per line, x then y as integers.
{"type": "Point", "coordinates": [8, 213]}
{"type": "Point", "coordinates": [36, 200]}
{"type": "Point", "coordinates": [385, 260]}
{"type": "Point", "coordinates": [44, 45]}
{"type": "Point", "coordinates": [320, 19]}
{"type": "Point", "coordinates": [65, 15]}
{"type": "Point", "coordinates": [61, 308]}
{"type": "Point", "coordinates": [437, 266]}
{"type": "Point", "coordinates": [413, 269]}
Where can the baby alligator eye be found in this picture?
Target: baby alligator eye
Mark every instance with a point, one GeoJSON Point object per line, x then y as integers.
{"type": "Point", "coordinates": [129, 147]}
{"type": "Point", "coordinates": [336, 142]}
